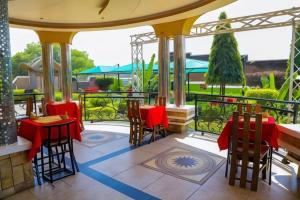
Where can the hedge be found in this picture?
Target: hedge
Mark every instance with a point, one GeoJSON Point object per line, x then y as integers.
{"type": "Point", "coordinates": [24, 97]}
{"type": "Point", "coordinates": [253, 79]}
{"type": "Point", "coordinates": [104, 83]}
{"type": "Point", "coordinates": [262, 93]}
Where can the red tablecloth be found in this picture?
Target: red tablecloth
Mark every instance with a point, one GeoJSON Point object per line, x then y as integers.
{"type": "Point", "coordinates": [35, 132]}
{"type": "Point", "coordinates": [269, 133]}
{"type": "Point", "coordinates": [154, 115]}
{"type": "Point", "coordinates": [60, 108]}
{"type": "Point", "coordinates": [91, 90]}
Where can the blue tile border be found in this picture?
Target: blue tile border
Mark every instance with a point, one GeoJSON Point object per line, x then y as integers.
{"type": "Point", "coordinates": [109, 181]}
{"type": "Point", "coordinates": [108, 156]}
{"type": "Point", "coordinates": [117, 185]}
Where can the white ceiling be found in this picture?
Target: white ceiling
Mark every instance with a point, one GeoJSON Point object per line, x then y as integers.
{"type": "Point", "coordinates": [75, 13]}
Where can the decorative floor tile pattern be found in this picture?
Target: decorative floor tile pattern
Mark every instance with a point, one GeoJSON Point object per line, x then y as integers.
{"type": "Point", "coordinates": [195, 166]}
{"type": "Point", "coordinates": [138, 182]}
{"type": "Point", "coordinates": [95, 138]}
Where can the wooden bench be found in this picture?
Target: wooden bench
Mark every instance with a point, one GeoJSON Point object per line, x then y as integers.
{"type": "Point", "coordinates": [289, 138]}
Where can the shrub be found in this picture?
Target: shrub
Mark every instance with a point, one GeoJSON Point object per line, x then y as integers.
{"type": "Point", "coordinates": [23, 97]}
{"type": "Point", "coordinates": [75, 96]}
{"type": "Point", "coordinates": [115, 86]}
{"type": "Point", "coordinates": [58, 96]}
{"type": "Point", "coordinates": [101, 113]}
{"type": "Point", "coordinates": [104, 83]}
{"type": "Point", "coordinates": [122, 107]}
{"type": "Point", "coordinates": [262, 93]}
{"type": "Point", "coordinates": [254, 79]}
{"type": "Point", "coordinates": [96, 102]}
{"type": "Point", "coordinates": [108, 113]}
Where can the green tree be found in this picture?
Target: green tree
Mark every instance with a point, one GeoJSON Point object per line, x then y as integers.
{"type": "Point", "coordinates": [80, 59]}
{"type": "Point", "coordinates": [32, 50]}
{"type": "Point", "coordinates": [148, 74]}
{"type": "Point", "coordinates": [225, 65]}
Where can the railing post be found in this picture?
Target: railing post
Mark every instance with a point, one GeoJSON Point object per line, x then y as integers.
{"type": "Point", "coordinates": [149, 98]}
{"type": "Point", "coordinates": [196, 112]}
{"type": "Point", "coordinates": [295, 114]}
{"type": "Point", "coordinates": [34, 100]}
{"type": "Point", "coordinates": [84, 106]}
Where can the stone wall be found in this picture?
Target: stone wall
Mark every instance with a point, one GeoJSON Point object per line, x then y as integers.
{"type": "Point", "coordinates": [15, 173]}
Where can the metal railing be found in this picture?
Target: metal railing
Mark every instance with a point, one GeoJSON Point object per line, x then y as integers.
{"type": "Point", "coordinates": [213, 111]}
{"type": "Point", "coordinates": [110, 106]}
{"type": "Point", "coordinates": [20, 102]}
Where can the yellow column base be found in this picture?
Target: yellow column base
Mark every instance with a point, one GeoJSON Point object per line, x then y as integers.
{"type": "Point", "coordinates": [180, 118]}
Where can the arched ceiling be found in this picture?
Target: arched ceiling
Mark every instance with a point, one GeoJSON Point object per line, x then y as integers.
{"type": "Point", "coordinates": [80, 15]}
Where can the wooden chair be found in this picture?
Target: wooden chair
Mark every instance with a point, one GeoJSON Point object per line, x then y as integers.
{"type": "Point", "coordinates": [137, 125]}
{"type": "Point", "coordinates": [249, 108]}
{"type": "Point", "coordinates": [52, 169]}
{"type": "Point", "coordinates": [29, 110]}
{"type": "Point", "coordinates": [81, 106]}
{"type": "Point", "coordinates": [29, 106]}
{"type": "Point", "coordinates": [43, 107]}
{"type": "Point", "coordinates": [160, 101]}
{"type": "Point", "coordinates": [247, 148]}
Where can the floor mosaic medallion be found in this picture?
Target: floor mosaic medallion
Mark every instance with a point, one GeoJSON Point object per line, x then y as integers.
{"type": "Point", "coordinates": [95, 138]}
{"type": "Point", "coordinates": [195, 166]}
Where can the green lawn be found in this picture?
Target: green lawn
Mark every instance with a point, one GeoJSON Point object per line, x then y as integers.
{"type": "Point", "coordinates": [195, 88]}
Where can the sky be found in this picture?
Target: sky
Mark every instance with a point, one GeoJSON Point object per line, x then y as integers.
{"type": "Point", "coordinates": [112, 47]}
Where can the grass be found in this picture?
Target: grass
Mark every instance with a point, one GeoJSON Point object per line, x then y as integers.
{"type": "Point", "coordinates": [58, 95]}
{"type": "Point", "coordinates": [195, 88]}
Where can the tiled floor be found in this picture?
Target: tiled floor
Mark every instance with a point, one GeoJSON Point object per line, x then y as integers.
{"type": "Point", "coordinates": [112, 171]}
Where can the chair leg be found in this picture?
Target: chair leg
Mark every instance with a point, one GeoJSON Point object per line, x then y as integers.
{"type": "Point", "coordinates": [50, 164]}
{"type": "Point", "coordinates": [165, 132]}
{"type": "Point", "coordinates": [135, 130]}
{"type": "Point", "coordinates": [265, 165]}
{"type": "Point", "coordinates": [75, 161]}
{"type": "Point", "coordinates": [131, 134]}
{"type": "Point", "coordinates": [71, 157]}
{"type": "Point", "coordinates": [227, 164]}
{"type": "Point", "coordinates": [37, 172]}
{"type": "Point", "coordinates": [233, 169]}
{"type": "Point", "coordinates": [255, 174]}
{"type": "Point", "coordinates": [42, 161]}
{"type": "Point", "coordinates": [141, 135]}
{"type": "Point", "coordinates": [270, 165]}
{"type": "Point", "coordinates": [57, 156]}
{"type": "Point", "coordinates": [63, 158]}
{"type": "Point", "coordinates": [154, 133]}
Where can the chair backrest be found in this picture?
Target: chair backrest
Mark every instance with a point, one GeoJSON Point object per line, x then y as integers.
{"type": "Point", "coordinates": [60, 132]}
{"type": "Point", "coordinates": [249, 108]}
{"type": "Point", "coordinates": [29, 106]}
{"type": "Point", "coordinates": [245, 139]}
{"type": "Point", "coordinates": [133, 113]}
{"type": "Point", "coordinates": [44, 109]}
{"type": "Point", "coordinates": [81, 106]}
{"type": "Point", "coordinates": [160, 101]}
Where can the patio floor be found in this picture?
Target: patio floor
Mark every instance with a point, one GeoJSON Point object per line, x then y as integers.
{"type": "Point", "coordinates": [111, 169]}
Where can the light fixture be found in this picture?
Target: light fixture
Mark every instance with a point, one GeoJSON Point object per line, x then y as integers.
{"type": "Point", "coordinates": [102, 6]}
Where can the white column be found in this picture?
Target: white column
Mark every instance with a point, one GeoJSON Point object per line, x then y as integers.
{"type": "Point", "coordinates": [48, 72]}
{"type": "Point", "coordinates": [66, 70]}
{"type": "Point", "coordinates": [179, 70]}
{"type": "Point", "coordinates": [163, 68]}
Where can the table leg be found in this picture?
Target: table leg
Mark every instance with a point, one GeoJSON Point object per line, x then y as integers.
{"type": "Point", "coordinates": [154, 133]}
{"type": "Point", "coordinates": [298, 174]}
